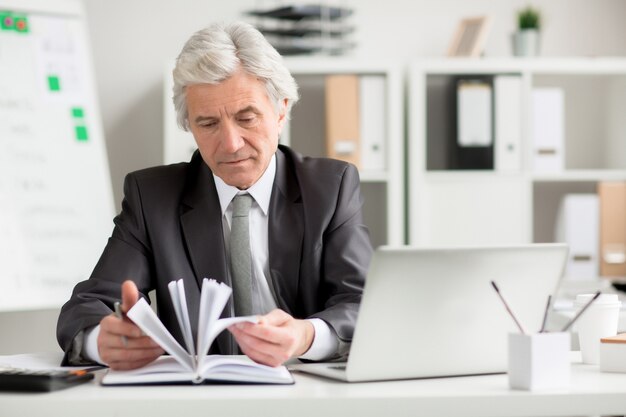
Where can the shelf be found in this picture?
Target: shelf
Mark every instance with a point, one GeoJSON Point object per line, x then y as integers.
{"type": "Point", "coordinates": [581, 176]}
{"type": "Point", "coordinates": [374, 176]}
{"type": "Point", "coordinates": [490, 202]}
{"type": "Point", "coordinates": [465, 175]}
{"type": "Point", "coordinates": [565, 176]}
{"type": "Point", "coordinates": [382, 190]}
{"type": "Point", "coordinates": [316, 66]}
{"type": "Point", "coordinates": [581, 66]}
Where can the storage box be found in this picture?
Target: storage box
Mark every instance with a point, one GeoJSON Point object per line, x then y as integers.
{"type": "Point", "coordinates": [539, 361]}
{"type": "Point", "coordinates": [613, 353]}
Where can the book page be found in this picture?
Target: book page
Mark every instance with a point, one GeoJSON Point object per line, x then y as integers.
{"type": "Point", "coordinates": [243, 369]}
{"type": "Point", "coordinates": [177, 294]}
{"type": "Point", "coordinates": [143, 316]}
{"type": "Point", "coordinates": [163, 370]}
{"type": "Point", "coordinates": [213, 299]}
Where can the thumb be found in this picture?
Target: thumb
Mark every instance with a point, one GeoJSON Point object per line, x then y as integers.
{"type": "Point", "coordinates": [130, 295]}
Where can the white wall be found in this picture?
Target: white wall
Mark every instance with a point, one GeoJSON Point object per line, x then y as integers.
{"type": "Point", "coordinates": [133, 39]}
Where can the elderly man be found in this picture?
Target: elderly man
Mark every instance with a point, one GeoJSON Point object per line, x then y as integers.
{"type": "Point", "coordinates": [284, 230]}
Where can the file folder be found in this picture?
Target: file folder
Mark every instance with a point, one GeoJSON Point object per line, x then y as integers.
{"type": "Point", "coordinates": [578, 226]}
{"type": "Point", "coordinates": [372, 107]}
{"type": "Point", "coordinates": [612, 229]}
{"type": "Point", "coordinates": [548, 129]}
{"type": "Point", "coordinates": [508, 122]}
{"type": "Point", "coordinates": [342, 118]}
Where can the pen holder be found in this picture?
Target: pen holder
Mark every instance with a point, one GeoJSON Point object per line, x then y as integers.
{"type": "Point", "coordinates": [539, 361]}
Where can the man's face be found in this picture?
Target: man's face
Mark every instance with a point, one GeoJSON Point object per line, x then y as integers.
{"type": "Point", "coordinates": [235, 126]}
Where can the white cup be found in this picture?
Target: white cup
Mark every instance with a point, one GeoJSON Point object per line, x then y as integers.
{"type": "Point", "coordinates": [598, 321]}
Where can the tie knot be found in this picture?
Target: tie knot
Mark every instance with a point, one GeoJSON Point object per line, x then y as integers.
{"type": "Point", "coordinates": [241, 205]}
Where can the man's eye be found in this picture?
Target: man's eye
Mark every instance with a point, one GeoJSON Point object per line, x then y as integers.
{"type": "Point", "coordinates": [209, 124]}
{"type": "Point", "coordinates": [246, 120]}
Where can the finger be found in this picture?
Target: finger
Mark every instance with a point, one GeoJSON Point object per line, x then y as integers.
{"type": "Point", "coordinates": [116, 342]}
{"type": "Point", "coordinates": [118, 356]}
{"type": "Point", "coordinates": [268, 333]}
{"type": "Point", "coordinates": [275, 317]}
{"type": "Point", "coordinates": [277, 351]}
{"type": "Point", "coordinates": [262, 357]}
{"type": "Point", "coordinates": [130, 295]}
{"type": "Point", "coordinates": [118, 327]}
{"type": "Point", "coordinates": [126, 365]}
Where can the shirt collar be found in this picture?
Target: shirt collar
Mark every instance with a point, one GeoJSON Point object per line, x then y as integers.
{"type": "Point", "coordinates": [261, 190]}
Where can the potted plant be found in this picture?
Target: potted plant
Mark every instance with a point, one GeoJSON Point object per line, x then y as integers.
{"type": "Point", "coordinates": [526, 39]}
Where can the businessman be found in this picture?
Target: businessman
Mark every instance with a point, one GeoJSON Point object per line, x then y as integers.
{"type": "Point", "coordinates": [283, 230]}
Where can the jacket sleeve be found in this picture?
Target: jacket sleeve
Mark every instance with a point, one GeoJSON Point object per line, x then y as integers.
{"type": "Point", "coordinates": [127, 255]}
{"type": "Point", "coordinates": [346, 256]}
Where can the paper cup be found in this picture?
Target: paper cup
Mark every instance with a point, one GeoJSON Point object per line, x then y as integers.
{"type": "Point", "coordinates": [598, 321]}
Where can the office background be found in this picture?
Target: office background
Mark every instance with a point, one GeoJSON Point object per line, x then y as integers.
{"type": "Point", "coordinates": [132, 42]}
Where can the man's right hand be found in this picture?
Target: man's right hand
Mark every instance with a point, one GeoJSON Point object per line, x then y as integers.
{"type": "Point", "coordinates": [136, 350]}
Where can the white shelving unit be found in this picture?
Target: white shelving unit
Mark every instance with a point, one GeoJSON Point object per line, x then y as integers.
{"type": "Point", "coordinates": [453, 207]}
{"type": "Point", "coordinates": [383, 191]}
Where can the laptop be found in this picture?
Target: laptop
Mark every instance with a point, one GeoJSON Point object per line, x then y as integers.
{"type": "Point", "coordinates": [433, 312]}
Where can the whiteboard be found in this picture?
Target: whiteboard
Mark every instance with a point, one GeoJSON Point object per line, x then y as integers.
{"type": "Point", "coordinates": [56, 200]}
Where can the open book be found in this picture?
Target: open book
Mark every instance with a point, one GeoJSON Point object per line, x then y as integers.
{"type": "Point", "coordinates": [194, 365]}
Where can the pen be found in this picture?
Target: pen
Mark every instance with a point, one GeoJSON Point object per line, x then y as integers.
{"type": "Point", "coordinates": [545, 315]}
{"type": "Point", "coordinates": [118, 314]}
{"type": "Point", "coordinates": [582, 310]}
{"type": "Point", "coordinates": [495, 287]}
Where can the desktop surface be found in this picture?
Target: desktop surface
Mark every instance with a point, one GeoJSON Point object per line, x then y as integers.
{"type": "Point", "coordinates": [590, 393]}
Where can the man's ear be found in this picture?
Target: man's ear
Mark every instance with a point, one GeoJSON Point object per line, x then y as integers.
{"type": "Point", "coordinates": [282, 114]}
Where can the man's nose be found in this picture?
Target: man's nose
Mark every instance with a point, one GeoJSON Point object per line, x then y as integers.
{"type": "Point", "coordinates": [232, 140]}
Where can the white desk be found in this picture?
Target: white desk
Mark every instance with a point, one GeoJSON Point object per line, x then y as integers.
{"type": "Point", "coordinates": [590, 393]}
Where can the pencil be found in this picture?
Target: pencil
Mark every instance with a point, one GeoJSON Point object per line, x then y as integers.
{"type": "Point", "coordinates": [582, 310]}
{"type": "Point", "coordinates": [545, 315]}
{"type": "Point", "coordinates": [118, 314]}
{"type": "Point", "coordinates": [495, 287]}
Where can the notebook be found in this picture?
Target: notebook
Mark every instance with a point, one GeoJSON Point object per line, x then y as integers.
{"type": "Point", "coordinates": [433, 312]}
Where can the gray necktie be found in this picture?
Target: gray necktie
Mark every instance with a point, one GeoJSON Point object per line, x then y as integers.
{"type": "Point", "coordinates": [240, 258]}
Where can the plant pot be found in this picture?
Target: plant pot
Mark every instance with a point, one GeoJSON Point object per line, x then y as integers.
{"type": "Point", "coordinates": [526, 42]}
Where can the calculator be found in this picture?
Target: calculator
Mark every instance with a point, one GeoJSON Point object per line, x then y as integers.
{"type": "Point", "coordinates": [19, 379]}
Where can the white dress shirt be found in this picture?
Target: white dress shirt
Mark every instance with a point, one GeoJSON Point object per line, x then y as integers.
{"type": "Point", "coordinates": [324, 342]}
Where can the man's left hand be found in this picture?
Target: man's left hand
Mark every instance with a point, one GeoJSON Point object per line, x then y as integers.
{"type": "Point", "coordinates": [276, 338]}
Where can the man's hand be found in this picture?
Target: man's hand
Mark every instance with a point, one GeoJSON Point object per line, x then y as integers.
{"type": "Point", "coordinates": [276, 338]}
{"type": "Point", "coordinates": [135, 350]}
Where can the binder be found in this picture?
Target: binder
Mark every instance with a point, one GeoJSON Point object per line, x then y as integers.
{"type": "Point", "coordinates": [578, 226]}
{"type": "Point", "coordinates": [612, 229]}
{"type": "Point", "coordinates": [372, 99]}
{"type": "Point", "coordinates": [548, 129]}
{"type": "Point", "coordinates": [508, 122]}
{"type": "Point", "coordinates": [474, 113]}
{"type": "Point", "coordinates": [342, 118]}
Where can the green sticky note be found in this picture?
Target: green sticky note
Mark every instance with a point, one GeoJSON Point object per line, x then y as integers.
{"type": "Point", "coordinates": [7, 21]}
{"type": "Point", "coordinates": [53, 83]}
{"type": "Point", "coordinates": [21, 24]}
{"type": "Point", "coordinates": [81, 133]}
{"type": "Point", "coordinates": [78, 112]}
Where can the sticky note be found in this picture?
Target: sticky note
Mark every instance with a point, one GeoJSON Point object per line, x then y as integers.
{"type": "Point", "coordinates": [78, 113]}
{"type": "Point", "coordinates": [53, 83]}
{"type": "Point", "coordinates": [21, 24]}
{"type": "Point", "coordinates": [81, 133]}
{"type": "Point", "coordinates": [7, 22]}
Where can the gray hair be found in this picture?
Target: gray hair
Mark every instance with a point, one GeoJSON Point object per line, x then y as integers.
{"type": "Point", "coordinates": [215, 53]}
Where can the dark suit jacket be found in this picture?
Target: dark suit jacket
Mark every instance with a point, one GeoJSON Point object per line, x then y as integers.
{"type": "Point", "coordinates": [170, 227]}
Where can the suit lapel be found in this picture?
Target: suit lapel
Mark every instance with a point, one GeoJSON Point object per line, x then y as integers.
{"type": "Point", "coordinates": [285, 231]}
{"type": "Point", "coordinates": [201, 222]}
